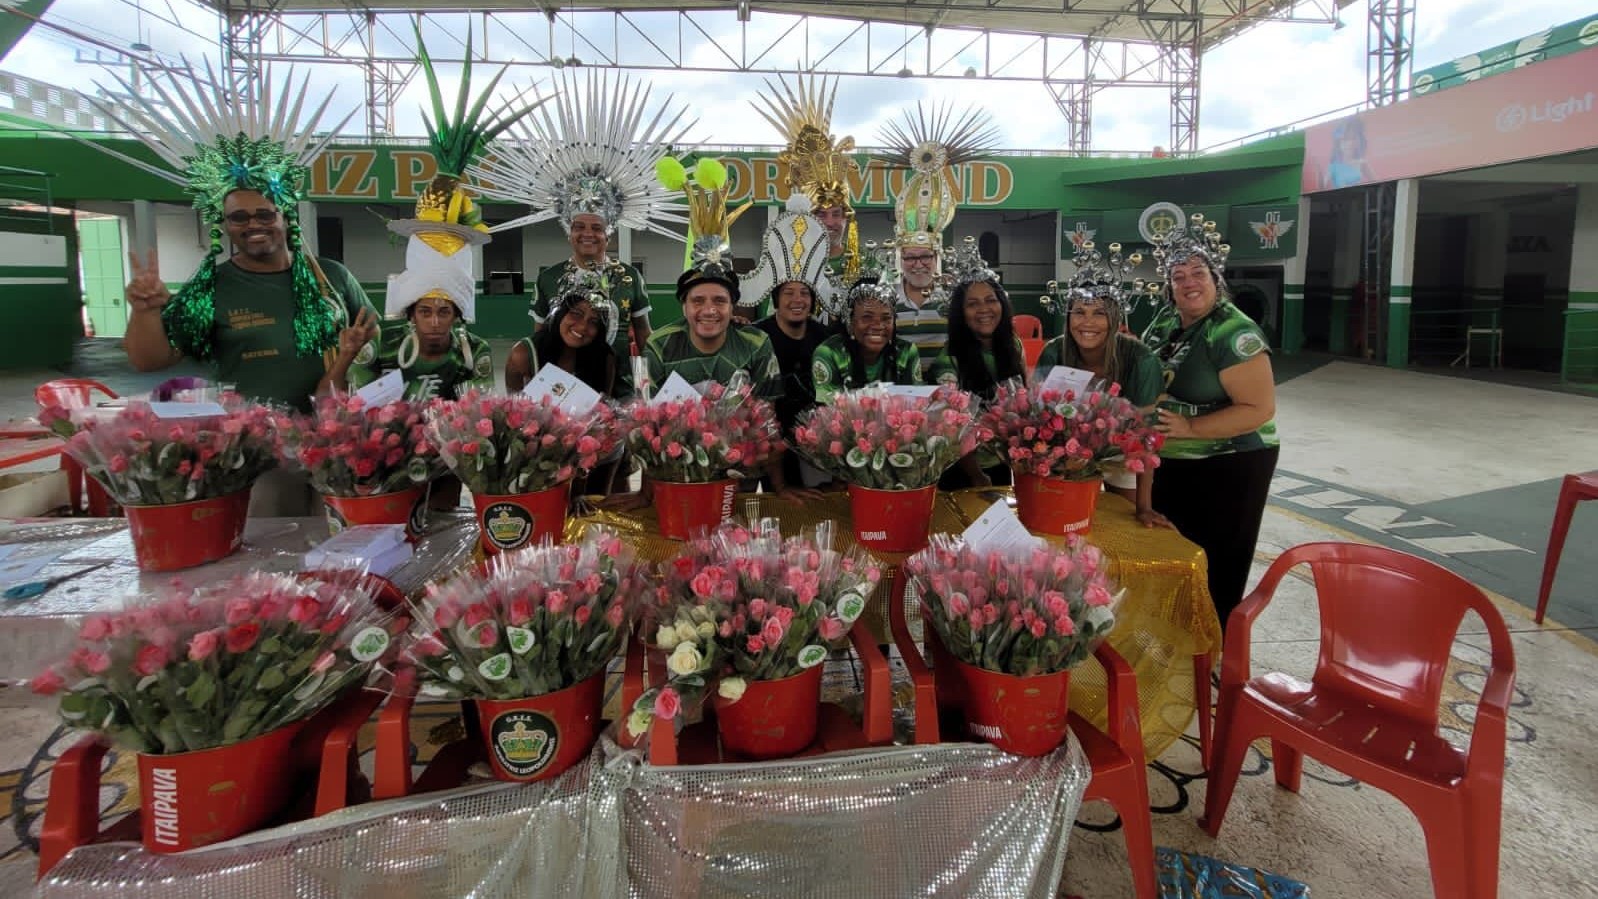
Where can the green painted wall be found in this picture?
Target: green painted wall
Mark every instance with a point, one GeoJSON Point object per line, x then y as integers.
{"type": "Point", "coordinates": [41, 321]}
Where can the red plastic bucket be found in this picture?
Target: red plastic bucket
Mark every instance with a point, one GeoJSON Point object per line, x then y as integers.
{"type": "Point", "coordinates": [183, 535]}
{"type": "Point", "coordinates": [191, 799]}
{"type": "Point", "coordinates": [774, 718]}
{"type": "Point", "coordinates": [522, 519]}
{"type": "Point", "coordinates": [539, 737]}
{"type": "Point", "coordinates": [893, 521]}
{"type": "Point", "coordinates": [1054, 505]}
{"type": "Point", "coordinates": [407, 507]}
{"type": "Point", "coordinates": [685, 509]}
{"type": "Point", "coordinates": [1020, 715]}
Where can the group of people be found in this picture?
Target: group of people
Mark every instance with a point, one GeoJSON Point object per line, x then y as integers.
{"type": "Point", "coordinates": [818, 314]}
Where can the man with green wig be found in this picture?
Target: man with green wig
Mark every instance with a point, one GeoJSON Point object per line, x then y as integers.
{"type": "Point", "coordinates": [269, 315]}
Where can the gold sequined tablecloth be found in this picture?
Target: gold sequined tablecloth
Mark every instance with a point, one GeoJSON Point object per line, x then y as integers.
{"type": "Point", "coordinates": [1165, 618]}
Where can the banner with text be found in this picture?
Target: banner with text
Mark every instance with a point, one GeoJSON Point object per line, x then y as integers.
{"type": "Point", "coordinates": [1541, 110]}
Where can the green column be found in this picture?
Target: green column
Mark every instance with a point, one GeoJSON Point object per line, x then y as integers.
{"type": "Point", "coordinates": [1337, 337]}
{"type": "Point", "coordinates": [1292, 318]}
{"type": "Point", "coordinates": [1406, 205]}
{"type": "Point", "coordinates": [1398, 326]}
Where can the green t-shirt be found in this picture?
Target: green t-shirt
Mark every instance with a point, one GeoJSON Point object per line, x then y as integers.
{"type": "Point", "coordinates": [1193, 359]}
{"type": "Point", "coordinates": [630, 299]}
{"type": "Point", "coordinates": [449, 377]}
{"type": "Point", "coordinates": [1140, 375]}
{"type": "Point", "coordinates": [746, 349]}
{"type": "Point", "coordinates": [832, 370]}
{"type": "Point", "coordinates": [946, 370]}
{"type": "Point", "coordinates": [254, 338]}
{"type": "Point", "coordinates": [926, 327]}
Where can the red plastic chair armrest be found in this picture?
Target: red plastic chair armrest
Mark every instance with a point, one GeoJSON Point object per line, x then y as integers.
{"type": "Point", "coordinates": [392, 774]}
{"type": "Point", "coordinates": [72, 809]}
{"type": "Point", "coordinates": [1125, 726]}
{"type": "Point", "coordinates": [1492, 714]}
{"type": "Point", "coordinates": [878, 713]}
{"type": "Point", "coordinates": [926, 690]}
{"type": "Point", "coordinates": [339, 748]}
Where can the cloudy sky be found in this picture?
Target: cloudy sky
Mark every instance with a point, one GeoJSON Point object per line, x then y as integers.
{"type": "Point", "coordinates": [1271, 76]}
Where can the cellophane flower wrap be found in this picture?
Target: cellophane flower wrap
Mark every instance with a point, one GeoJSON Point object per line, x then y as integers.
{"type": "Point", "coordinates": [726, 432]}
{"type": "Point", "coordinates": [541, 619]}
{"type": "Point", "coordinates": [144, 460]}
{"type": "Point", "coordinates": [503, 445]}
{"type": "Point", "coordinates": [1022, 612]}
{"type": "Point", "coordinates": [887, 441]}
{"type": "Point", "coordinates": [738, 606]}
{"type": "Point", "coordinates": [225, 663]}
{"type": "Point", "coordinates": [354, 449]}
{"type": "Point", "coordinates": [1060, 434]}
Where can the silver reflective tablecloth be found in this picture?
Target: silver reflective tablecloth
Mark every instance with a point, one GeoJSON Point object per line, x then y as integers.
{"type": "Point", "coordinates": [957, 820]}
{"type": "Point", "coordinates": [36, 632]}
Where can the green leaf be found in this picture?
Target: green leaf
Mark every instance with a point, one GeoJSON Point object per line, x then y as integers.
{"type": "Point", "coordinates": [271, 679]}
{"type": "Point", "coordinates": [202, 690]}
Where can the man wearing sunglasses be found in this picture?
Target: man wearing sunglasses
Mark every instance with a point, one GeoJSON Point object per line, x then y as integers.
{"type": "Point", "coordinates": [252, 337]}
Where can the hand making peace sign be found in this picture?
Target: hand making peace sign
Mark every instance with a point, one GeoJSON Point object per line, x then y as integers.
{"type": "Point", "coordinates": [146, 292]}
{"type": "Point", "coordinates": [351, 339]}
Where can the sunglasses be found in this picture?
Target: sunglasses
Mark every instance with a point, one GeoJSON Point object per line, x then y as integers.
{"type": "Point", "coordinates": [259, 216]}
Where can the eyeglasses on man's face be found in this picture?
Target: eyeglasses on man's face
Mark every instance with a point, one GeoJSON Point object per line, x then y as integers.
{"type": "Point", "coordinates": [259, 216]}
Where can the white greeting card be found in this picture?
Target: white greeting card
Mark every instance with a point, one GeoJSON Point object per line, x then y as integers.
{"type": "Point", "coordinates": [569, 394]}
{"type": "Point", "coordinates": [1064, 377]}
{"type": "Point", "coordinates": [187, 410]}
{"type": "Point", "coordinates": [999, 530]}
{"type": "Point", "coordinates": [675, 390]}
{"type": "Point", "coordinates": [387, 389]}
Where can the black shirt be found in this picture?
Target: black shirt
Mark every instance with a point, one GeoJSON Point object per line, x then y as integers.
{"type": "Point", "coordinates": [793, 358]}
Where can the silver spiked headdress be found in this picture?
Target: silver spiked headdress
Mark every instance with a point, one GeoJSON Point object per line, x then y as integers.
{"type": "Point", "coordinates": [591, 151]}
{"type": "Point", "coordinates": [927, 141]}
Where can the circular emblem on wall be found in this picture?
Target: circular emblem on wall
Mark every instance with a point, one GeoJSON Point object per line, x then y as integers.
{"type": "Point", "coordinates": [1588, 34]}
{"type": "Point", "coordinates": [507, 525]}
{"type": "Point", "coordinates": [1248, 344]}
{"type": "Point", "coordinates": [1159, 220]}
{"type": "Point", "coordinates": [1423, 84]}
{"type": "Point", "coordinates": [524, 741]}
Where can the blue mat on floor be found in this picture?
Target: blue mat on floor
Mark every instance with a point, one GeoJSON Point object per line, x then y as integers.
{"type": "Point", "coordinates": [1185, 875]}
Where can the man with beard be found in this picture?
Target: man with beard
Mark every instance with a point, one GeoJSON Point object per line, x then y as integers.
{"type": "Point", "coordinates": [927, 142]}
{"type": "Point", "coordinates": [269, 315]}
{"type": "Point", "coordinates": [590, 164]}
{"type": "Point", "coordinates": [819, 166]}
{"type": "Point", "coordinates": [250, 335]}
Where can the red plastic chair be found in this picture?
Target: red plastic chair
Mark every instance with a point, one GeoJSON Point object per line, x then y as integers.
{"type": "Point", "coordinates": [77, 392]}
{"type": "Point", "coordinates": [1388, 620]}
{"type": "Point", "coordinates": [1116, 755]}
{"type": "Point", "coordinates": [1577, 487]}
{"type": "Point", "coordinates": [1029, 327]}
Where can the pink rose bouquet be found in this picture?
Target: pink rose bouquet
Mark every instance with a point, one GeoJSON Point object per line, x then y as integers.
{"type": "Point", "coordinates": [1058, 434]}
{"type": "Point", "coordinates": [725, 432]}
{"type": "Point", "coordinates": [1034, 612]}
{"type": "Point", "coordinates": [499, 445]}
{"type": "Point", "coordinates": [145, 460]}
{"type": "Point", "coordinates": [352, 449]}
{"type": "Point", "coordinates": [222, 664]}
{"type": "Point", "coordinates": [736, 606]}
{"type": "Point", "coordinates": [540, 620]}
{"type": "Point", "coordinates": [886, 441]}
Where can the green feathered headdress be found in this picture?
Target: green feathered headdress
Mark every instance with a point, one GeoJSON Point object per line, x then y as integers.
{"type": "Point", "coordinates": [212, 147]}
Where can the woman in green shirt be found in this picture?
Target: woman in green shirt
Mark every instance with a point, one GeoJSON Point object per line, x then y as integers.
{"type": "Point", "coordinates": [982, 353]}
{"type": "Point", "coordinates": [1218, 415]}
{"type": "Point", "coordinates": [869, 353]}
{"type": "Point", "coordinates": [1093, 341]}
